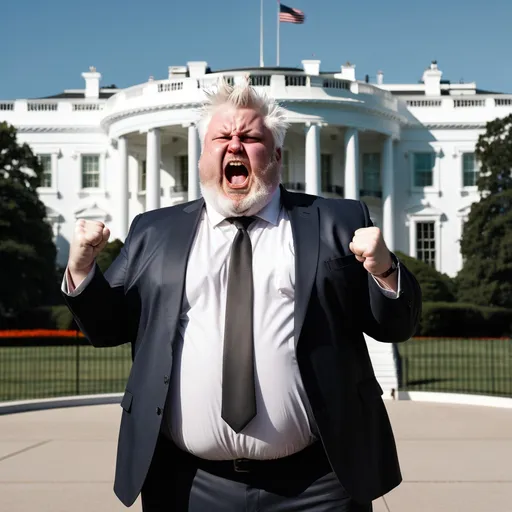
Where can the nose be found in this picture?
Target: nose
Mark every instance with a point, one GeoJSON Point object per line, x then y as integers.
{"type": "Point", "coordinates": [235, 144]}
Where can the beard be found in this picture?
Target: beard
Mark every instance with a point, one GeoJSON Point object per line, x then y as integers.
{"type": "Point", "coordinates": [264, 184]}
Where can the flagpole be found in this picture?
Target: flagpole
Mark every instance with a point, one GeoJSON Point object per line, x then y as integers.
{"type": "Point", "coordinates": [278, 25]}
{"type": "Point", "coordinates": [261, 34]}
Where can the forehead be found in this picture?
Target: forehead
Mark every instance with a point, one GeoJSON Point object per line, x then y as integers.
{"type": "Point", "coordinates": [236, 119]}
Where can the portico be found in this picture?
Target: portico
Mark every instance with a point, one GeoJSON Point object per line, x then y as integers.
{"type": "Point", "coordinates": [318, 158]}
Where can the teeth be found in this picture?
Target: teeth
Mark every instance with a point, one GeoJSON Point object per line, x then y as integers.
{"type": "Point", "coordinates": [236, 164]}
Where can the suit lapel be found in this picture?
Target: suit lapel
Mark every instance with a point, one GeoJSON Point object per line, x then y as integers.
{"type": "Point", "coordinates": [178, 243]}
{"type": "Point", "coordinates": [303, 215]}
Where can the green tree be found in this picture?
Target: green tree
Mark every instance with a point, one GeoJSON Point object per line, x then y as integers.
{"type": "Point", "coordinates": [486, 245]}
{"type": "Point", "coordinates": [109, 254]}
{"type": "Point", "coordinates": [435, 286]}
{"type": "Point", "coordinates": [27, 251]}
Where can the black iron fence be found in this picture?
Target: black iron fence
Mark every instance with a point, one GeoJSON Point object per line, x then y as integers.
{"type": "Point", "coordinates": [45, 367]}
{"type": "Point", "coordinates": [463, 365]}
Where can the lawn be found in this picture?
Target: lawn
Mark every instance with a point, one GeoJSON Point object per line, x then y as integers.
{"type": "Point", "coordinates": [41, 372]}
{"type": "Point", "coordinates": [481, 366]}
{"type": "Point", "coordinates": [478, 366]}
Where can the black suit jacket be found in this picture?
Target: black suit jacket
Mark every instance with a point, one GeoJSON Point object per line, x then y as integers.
{"type": "Point", "coordinates": [336, 300]}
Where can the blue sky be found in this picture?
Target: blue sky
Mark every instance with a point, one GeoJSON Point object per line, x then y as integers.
{"type": "Point", "coordinates": [50, 43]}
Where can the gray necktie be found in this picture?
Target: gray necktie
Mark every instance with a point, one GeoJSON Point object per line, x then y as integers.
{"type": "Point", "coordinates": [238, 393]}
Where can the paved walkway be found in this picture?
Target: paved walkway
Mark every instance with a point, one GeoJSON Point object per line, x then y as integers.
{"type": "Point", "coordinates": [454, 458]}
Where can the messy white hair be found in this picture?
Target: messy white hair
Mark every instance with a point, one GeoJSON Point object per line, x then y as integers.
{"type": "Point", "coordinates": [243, 95]}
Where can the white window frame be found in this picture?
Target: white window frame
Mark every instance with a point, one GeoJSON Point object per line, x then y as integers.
{"type": "Point", "coordinates": [55, 153]}
{"type": "Point", "coordinates": [103, 155]}
{"type": "Point", "coordinates": [331, 170]}
{"type": "Point", "coordinates": [425, 213]}
{"type": "Point", "coordinates": [430, 189]}
{"type": "Point", "coordinates": [140, 168]}
{"type": "Point", "coordinates": [178, 174]}
{"type": "Point", "coordinates": [376, 152]}
{"type": "Point", "coordinates": [97, 158]}
{"type": "Point", "coordinates": [286, 167]}
{"type": "Point", "coordinates": [458, 155]}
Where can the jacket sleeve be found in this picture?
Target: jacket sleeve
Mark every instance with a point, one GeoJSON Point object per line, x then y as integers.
{"type": "Point", "coordinates": [392, 319]}
{"type": "Point", "coordinates": [102, 309]}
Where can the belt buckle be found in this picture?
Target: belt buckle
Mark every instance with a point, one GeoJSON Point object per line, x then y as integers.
{"type": "Point", "coordinates": [241, 465]}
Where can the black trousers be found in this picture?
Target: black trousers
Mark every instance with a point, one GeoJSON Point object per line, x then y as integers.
{"type": "Point", "coordinates": [301, 482]}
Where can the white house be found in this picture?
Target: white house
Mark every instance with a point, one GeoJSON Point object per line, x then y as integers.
{"type": "Point", "coordinates": [405, 149]}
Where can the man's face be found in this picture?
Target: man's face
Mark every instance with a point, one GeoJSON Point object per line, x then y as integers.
{"type": "Point", "coordinates": [239, 167]}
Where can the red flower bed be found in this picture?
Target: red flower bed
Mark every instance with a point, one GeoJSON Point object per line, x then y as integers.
{"type": "Point", "coordinates": [40, 333]}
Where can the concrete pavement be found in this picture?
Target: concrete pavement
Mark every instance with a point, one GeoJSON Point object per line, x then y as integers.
{"type": "Point", "coordinates": [454, 458]}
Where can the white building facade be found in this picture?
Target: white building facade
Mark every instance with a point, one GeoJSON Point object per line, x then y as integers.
{"type": "Point", "coordinates": [407, 150]}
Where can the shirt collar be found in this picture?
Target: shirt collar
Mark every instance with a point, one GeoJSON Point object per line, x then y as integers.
{"type": "Point", "coordinates": [269, 213]}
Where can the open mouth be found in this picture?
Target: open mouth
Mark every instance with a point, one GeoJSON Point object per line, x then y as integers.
{"type": "Point", "coordinates": [237, 174]}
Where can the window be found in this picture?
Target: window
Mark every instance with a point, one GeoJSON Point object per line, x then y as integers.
{"type": "Point", "coordinates": [371, 172]}
{"type": "Point", "coordinates": [142, 176]}
{"type": "Point", "coordinates": [181, 163]}
{"type": "Point", "coordinates": [90, 171]}
{"type": "Point", "coordinates": [424, 169]}
{"type": "Point", "coordinates": [426, 242]}
{"type": "Point", "coordinates": [326, 169]}
{"type": "Point", "coordinates": [469, 170]}
{"type": "Point", "coordinates": [46, 177]}
{"type": "Point", "coordinates": [285, 167]}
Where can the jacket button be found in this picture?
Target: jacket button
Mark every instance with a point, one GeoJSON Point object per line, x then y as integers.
{"type": "Point", "coordinates": [159, 411]}
{"type": "Point", "coordinates": [166, 379]}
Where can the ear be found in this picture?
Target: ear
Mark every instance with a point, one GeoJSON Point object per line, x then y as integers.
{"type": "Point", "coordinates": [278, 154]}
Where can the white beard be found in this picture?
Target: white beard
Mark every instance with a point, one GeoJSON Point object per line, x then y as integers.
{"type": "Point", "coordinates": [251, 204]}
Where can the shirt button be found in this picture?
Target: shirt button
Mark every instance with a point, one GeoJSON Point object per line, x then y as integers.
{"type": "Point", "coordinates": [158, 411]}
{"type": "Point", "coordinates": [166, 379]}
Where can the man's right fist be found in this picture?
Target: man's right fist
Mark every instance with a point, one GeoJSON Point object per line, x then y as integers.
{"type": "Point", "coordinates": [89, 239]}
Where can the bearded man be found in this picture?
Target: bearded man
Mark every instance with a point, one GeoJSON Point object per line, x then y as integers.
{"type": "Point", "coordinates": [251, 387]}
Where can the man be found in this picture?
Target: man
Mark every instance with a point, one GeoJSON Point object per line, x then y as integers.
{"type": "Point", "coordinates": [251, 386]}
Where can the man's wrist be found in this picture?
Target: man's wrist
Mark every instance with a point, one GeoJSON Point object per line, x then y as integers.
{"type": "Point", "coordinates": [77, 276]}
{"type": "Point", "coordinates": [393, 266]}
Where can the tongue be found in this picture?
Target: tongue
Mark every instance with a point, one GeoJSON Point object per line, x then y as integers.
{"type": "Point", "coordinates": [238, 179]}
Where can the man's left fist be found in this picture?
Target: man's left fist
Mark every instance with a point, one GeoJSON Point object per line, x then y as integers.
{"type": "Point", "coordinates": [370, 249]}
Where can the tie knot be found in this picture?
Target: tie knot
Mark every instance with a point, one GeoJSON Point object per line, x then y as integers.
{"type": "Point", "coordinates": [241, 222]}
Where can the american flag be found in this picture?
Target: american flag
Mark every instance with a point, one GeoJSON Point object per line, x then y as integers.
{"type": "Point", "coordinates": [290, 14]}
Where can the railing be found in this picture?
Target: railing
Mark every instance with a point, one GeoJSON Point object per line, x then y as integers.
{"type": "Point", "coordinates": [46, 367]}
{"type": "Point", "coordinates": [42, 107]}
{"type": "Point", "coordinates": [464, 365]}
{"type": "Point", "coordinates": [458, 103]}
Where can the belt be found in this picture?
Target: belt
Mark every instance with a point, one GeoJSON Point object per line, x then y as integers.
{"type": "Point", "coordinates": [312, 457]}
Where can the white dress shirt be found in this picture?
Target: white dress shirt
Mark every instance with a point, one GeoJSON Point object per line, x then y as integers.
{"type": "Point", "coordinates": [283, 424]}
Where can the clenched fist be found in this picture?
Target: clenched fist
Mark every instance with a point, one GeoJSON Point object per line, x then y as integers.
{"type": "Point", "coordinates": [89, 239]}
{"type": "Point", "coordinates": [369, 248]}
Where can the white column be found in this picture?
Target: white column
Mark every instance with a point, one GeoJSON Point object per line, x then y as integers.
{"type": "Point", "coordinates": [122, 148]}
{"type": "Point", "coordinates": [313, 176]}
{"type": "Point", "coordinates": [193, 160]}
{"type": "Point", "coordinates": [388, 191]}
{"type": "Point", "coordinates": [351, 164]}
{"type": "Point", "coordinates": [153, 169]}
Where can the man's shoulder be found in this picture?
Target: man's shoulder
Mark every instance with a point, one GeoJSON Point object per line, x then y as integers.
{"type": "Point", "coordinates": [327, 203]}
{"type": "Point", "coordinates": [168, 212]}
